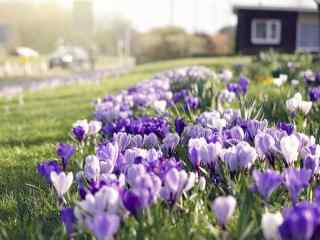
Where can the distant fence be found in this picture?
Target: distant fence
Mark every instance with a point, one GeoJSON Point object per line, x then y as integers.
{"type": "Point", "coordinates": [15, 69]}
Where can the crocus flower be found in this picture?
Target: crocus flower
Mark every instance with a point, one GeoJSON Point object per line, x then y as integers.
{"type": "Point", "coordinates": [265, 145]}
{"type": "Point", "coordinates": [94, 127]}
{"type": "Point", "coordinates": [179, 125]}
{"type": "Point", "coordinates": [270, 223]}
{"type": "Point", "coordinates": [296, 180]}
{"type": "Point", "coordinates": [122, 140]}
{"type": "Point", "coordinates": [301, 222]}
{"type": "Point", "coordinates": [80, 129]}
{"type": "Point", "coordinates": [134, 172]}
{"type": "Point", "coordinates": [176, 183]}
{"type": "Point", "coordinates": [287, 127]}
{"type": "Point", "coordinates": [226, 96]}
{"type": "Point", "coordinates": [246, 155]}
{"type": "Point", "coordinates": [104, 226]}
{"type": "Point", "coordinates": [241, 156]}
{"type": "Point", "coordinates": [108, 154]}
{"type": "Point", "coordinates": [289, 146]}
{"type": "Point", "coordinates": [47, 167]}
{"type": "Point", "coordinates": [280, 80]}
{"type": "Point", "coordinates": [252, 127]}
{"type": "Point", "coordinates": [131, 201]}
{"type": "Point", "coordinates": [65, 152]}
{"type": "Point", "coordinates": [226, 75]}
{"type": "Point", "coordinates": [212, 120]}
{"type": "Point", "coordinates": [171, 141]}
{"type": "Point", "coordinates": [191, 103]}
{"type": "Point", "coordinates": [197, 151]}
{"type": "Point", "coordinates": [61, 182]}
{"type": "Point", "coordinates": [223, 208]}
{"type": "Point", "coordinates": [106, 199]}
{"type": "Point", "coordinates": [215, 151]}
{"type": "Point", "coordinates": [312, 163]}
{"type": "Point", "coordinates": [266, 182]}
{"type": "Point", "coordinates": [243, 83]}
{"type": "Point", "coordinates": [314, 94]}
{"type": "Point", "coordinates": [69, 219]}
{"type": "Point", "coordinates": [151, 140]}
{"type": "Point", "coordinates": [160, 106]}
{"type": "Point", "coordinates": [92, 168]}
{"type": "Point", "coordinates": [296, 103]}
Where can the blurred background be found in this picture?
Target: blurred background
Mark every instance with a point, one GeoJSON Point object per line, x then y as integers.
{"type": "Point", "coordinates": [147, 30]}
{"type": "Point", "coordinates": [40, 39]}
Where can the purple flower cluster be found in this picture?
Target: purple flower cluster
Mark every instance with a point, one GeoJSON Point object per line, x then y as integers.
{"type": "Point", "coordinates": [239, 88]}
{"type": "Point", "coordinates": [132, 158]}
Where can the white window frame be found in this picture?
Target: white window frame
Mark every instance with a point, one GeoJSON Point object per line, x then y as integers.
{"type": "Point", "coordinates": [269, 39]}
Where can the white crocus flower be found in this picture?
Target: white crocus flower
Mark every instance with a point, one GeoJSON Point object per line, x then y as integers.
{"type": "Point", "coordinates": [61, 182]}
{"type": "Point", "coordinates": [270, 224]}
{"type": "Point", "coordinates": [280, 80]}
{"type": "Point", "coordinates": [94, 127]}
{"type": "Point", "coordinates": [295, 82]}
{"type": "Point", "coordinates": [160, 106]}
{"type": "Point", "coordinates": [92, 168]}
{"type": "Point", "coordinates": [296, 103]}
{"type": "Point", "coordinates": [289, 146]}
{"type": "Point", "coordinates": [226, 75]}
{"type": "Point", "coordinates": [305, 107]}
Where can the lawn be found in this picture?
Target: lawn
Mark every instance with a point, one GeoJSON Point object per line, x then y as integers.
{"type": "Point", "coordinates": [31, 127]}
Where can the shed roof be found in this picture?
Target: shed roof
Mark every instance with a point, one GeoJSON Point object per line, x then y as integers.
{"type": "Point", "coordinates": [276, 5]}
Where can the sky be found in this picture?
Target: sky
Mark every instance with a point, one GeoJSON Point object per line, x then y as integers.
{"type": "Point", "coordinates": [193, 15]}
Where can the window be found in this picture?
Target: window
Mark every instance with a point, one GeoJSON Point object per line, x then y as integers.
{"type": "Point", "coordinates": [266, 31]}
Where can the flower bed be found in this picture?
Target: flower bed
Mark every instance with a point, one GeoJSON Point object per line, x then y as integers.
{"type": "Point", "coordinates": [188, 155]}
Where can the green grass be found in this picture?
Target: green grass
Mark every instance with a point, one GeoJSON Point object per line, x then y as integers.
{"type": "Point", "coordinates": [29, 131]}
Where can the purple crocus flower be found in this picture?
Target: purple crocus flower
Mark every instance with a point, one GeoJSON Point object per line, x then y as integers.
{"type": "Point", "coordinates": [175, 184]}
{"type": "Point", "coordinates": [234, 87]}
{"type": "Point", "coordinates": [243, 84]}
{"type": "Point", "coordinates": [311, 162]}
{"type": "Point", "coordinates": [314, 94]}
{"type": "Point", "coordinates": [265, 145]}
{"type": "Point", "coordinates": [179, 125]}
{"type": "Point", "coordinates": [45, 168]}
{"type": "Point", "coordinates": [287, 127]}
{"type": "Point", "coordinates": [301, 222]}
{"type": "Point", "coordinates": [79, 133]}
{"type": "Point", "coordinates": [80, 129]}
{"type": "Point", "coordinates": [171, 141]}
{"type": "Point", "coordinates": [197, 150]}
{"type": "Point", "coordinates": [104, 226]}
{"type": "Point", "coordinates": [246, 155]}
{"type": "Point", "coordinates": [65, 152]}
{"type": "Point", "coordinates": [296, 180]}
{"type": "Point", "coordinates": [223, 208]}
{"type": "Point", "coordinates": [191, 103]}
{"type": "Point", "coordinates": [123, 140]}
{"type": "Point", "coordinates": [68, 218]}
{"type": "Point", "coordinates": [266, 182]}
{"type": "Point", "coordinates": [131, 201]}
{"type": "Point", "coordinates": [108, 154]}
{"type": "Point", "coordinates": [252, 127]}
{"type": "Point", "coordinates": [151, 140]}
